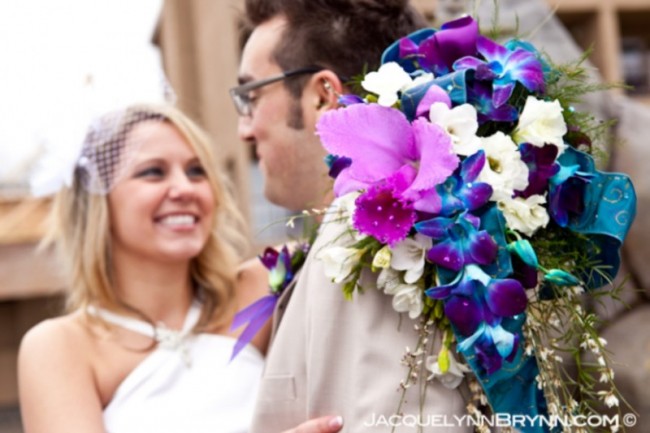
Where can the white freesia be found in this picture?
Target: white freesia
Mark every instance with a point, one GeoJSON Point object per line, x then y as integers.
{"type": "Point", "coordinates": [504, 170]}
{"type": "Point", "coordinates": [453, 376]}
{"type": "Point", "coordinates": [339, 262]}
{"type": "Point", "coordinates": [388, 280]}
{"type": "Point", "coordinates": [409, 254]}
{"type": "Point", "coordinates": [541, 122]}
{"type": "Point", "coordinates": [460, 123]}
{"type": "Point", "coordinates": [525, 215]}
{"type": "Point", "coordinates": [386, 82]}
{"type": "Point", "coordinates": [407, 298]}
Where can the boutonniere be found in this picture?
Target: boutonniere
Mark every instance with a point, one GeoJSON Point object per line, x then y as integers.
{"type": "Point", "coordinates": [283, 266]}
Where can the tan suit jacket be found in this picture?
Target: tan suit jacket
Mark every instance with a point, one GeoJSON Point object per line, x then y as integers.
{"type": "Point", "coordinates": [331, 356]}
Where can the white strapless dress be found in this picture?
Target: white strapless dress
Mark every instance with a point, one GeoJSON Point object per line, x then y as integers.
{"type": "Point", "coordinates": [187, 384]}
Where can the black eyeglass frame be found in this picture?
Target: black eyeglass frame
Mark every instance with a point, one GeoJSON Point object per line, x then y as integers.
{"type": "Point", "coordinates": [239, 94]}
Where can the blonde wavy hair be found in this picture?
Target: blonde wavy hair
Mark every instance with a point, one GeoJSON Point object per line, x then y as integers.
{"type": "Point", "coordinates": [80, 230]}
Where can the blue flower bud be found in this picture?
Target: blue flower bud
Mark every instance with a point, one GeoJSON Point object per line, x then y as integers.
{"type": "Point", "coordinates": [561, 278]}
{"type": "Point", "coordinates": [525, 251]}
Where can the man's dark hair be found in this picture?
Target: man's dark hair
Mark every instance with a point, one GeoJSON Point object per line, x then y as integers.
{"type": "Point", "coordinates": [344, 36]}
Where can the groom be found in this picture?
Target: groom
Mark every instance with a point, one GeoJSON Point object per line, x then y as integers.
{"type": "Point", "coordinates": [329, 355]}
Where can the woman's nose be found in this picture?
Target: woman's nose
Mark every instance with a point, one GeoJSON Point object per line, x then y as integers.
{"type": "Point", "coordinates": [181, 186]}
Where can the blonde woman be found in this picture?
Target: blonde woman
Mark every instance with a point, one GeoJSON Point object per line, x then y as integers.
{"type": "Point", "coordinates": [147, 232]}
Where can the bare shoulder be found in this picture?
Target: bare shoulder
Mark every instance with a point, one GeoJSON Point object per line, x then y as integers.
{"type": "Point", "coordinates": [56, 336]}
{"type": "Point", "coordinates": [56, 379]}
{"type": "Point", "coordinates": [252, 281]}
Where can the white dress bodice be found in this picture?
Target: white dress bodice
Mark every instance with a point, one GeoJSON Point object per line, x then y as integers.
{"type": "Point", "coordinates": [187, 384]}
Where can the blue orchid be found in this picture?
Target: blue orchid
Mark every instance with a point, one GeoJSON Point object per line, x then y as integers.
{"type": "Point", "coordinates": [492, 344]}
{"type": "Point", "coordinates": [567, 194]}
{"type": "Point", "coordinates": [460, 242]}
{"type": "Point", "coordinates": [505, 68]}
{"type": "Point", "coordinates": [461, 191]}
{"type": "Point", "coordinates": [479, 94]}
{"type": "Point", "coordinates": [475, 304]}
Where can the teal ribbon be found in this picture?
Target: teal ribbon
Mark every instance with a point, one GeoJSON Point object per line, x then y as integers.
{"type": "Point", "coordinates": [610, 208]}
{"type": "Point", "coordinates": [513, 388]}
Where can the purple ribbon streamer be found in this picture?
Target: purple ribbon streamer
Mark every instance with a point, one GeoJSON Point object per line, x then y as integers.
{"type": "Point", "coordinates": [254, 316]}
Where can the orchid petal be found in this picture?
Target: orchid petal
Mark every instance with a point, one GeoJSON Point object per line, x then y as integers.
{"type": "Point", "coordinates": [526, 69]}
{"type": "Point", "coordinates": [368, 129]}
{"type": "Point", "coordinates": [269, 258]}
{"type": "Point", "coordinates": [447, 254]}
{"type": "Point", "coordinates": [503, 340]}
{"type": "Point", "coordinates": [438, 161]}
{"type": "Point", "coordinates": [435, 228]}
{"type": "Point", "coordinates": [492, 50]}
{"type": "Point", "coordinates": [433, 95]}
{"type": "Point", "coordinates": [464, 314]}
{"type": "Point", "coordinates": [506, 297]}
{"type": "Point", "coordinates": [502, 93]}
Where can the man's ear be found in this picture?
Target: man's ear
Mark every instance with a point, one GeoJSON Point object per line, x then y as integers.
{"type": "Point", "coordinates": [326, 89]}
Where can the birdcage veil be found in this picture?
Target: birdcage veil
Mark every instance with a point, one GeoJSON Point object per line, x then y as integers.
{"type": "Point", "coordinates": [100, 146]}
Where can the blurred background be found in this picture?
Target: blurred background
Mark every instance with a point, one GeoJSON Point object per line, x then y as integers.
{"type": "Point", "coordinates": [56, 53]}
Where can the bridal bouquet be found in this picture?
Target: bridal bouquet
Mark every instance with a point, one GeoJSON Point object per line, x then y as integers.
{"type": "Point", "coordinates": [470, 188]}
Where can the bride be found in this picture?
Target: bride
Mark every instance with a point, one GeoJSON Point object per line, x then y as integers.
{"type": "Point", "coordinates": [147, 231]}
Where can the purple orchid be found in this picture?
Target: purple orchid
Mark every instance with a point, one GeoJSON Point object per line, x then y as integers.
{"type": "Point", "coordinates": [437, 53]}
{"type": "Point", "coordinates": [461, 191]}
{"type": "Point", "coordinates": [460, 242]}
{"type": "Point", "coordinates": [504, 68]}
{"type": "Point", "coordinates": [279, 266]}
{"type": "Point", "coordinates": [541, 165]}
{"type": "Point", "coordinates": [408, 161]}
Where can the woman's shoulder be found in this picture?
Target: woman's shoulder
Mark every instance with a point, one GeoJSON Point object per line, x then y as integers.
{"type": "Point", "coordinates": [64, 336]}
{"type": "Point", "coordinates": [252, 281]}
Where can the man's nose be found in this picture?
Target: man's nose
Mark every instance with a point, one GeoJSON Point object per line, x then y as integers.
{"type": "Point", "coordinates": [245, 128]}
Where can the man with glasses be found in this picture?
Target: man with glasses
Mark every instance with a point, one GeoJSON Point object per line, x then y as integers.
{"type": "Point", "coordinates": [328, 356]}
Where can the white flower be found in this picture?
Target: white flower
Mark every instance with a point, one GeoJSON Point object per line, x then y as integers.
{"type": "Point", "coordinates": [451, 378]}
{"type": "Point", "coordinates": [504, 170]}
{"type": "Point", "coordinates": [409, 254]}
{"type": "Point", "coordinates": [460, 123]}
{"type": "Point", "coordinates": [388, 280]}
{"type": "Point", "coordinates": [386, 82]}
{"type": "Point", "coordinates": [609, 398]}
{"type": "Point", "coordinates": [339, 262]}
{"type": "Point", "coordinates": [540, 123]}
{"type": "Point", "coordinates": [525, 215]}
{"type": "Point", "coordinates": [407, 298]}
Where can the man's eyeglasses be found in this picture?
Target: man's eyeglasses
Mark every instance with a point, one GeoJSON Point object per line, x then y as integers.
{"type": "Point", "coordinates": [241, 94]}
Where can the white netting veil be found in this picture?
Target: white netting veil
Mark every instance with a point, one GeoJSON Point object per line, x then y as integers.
{"type": "Point", "coordinates": [109, 147]}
